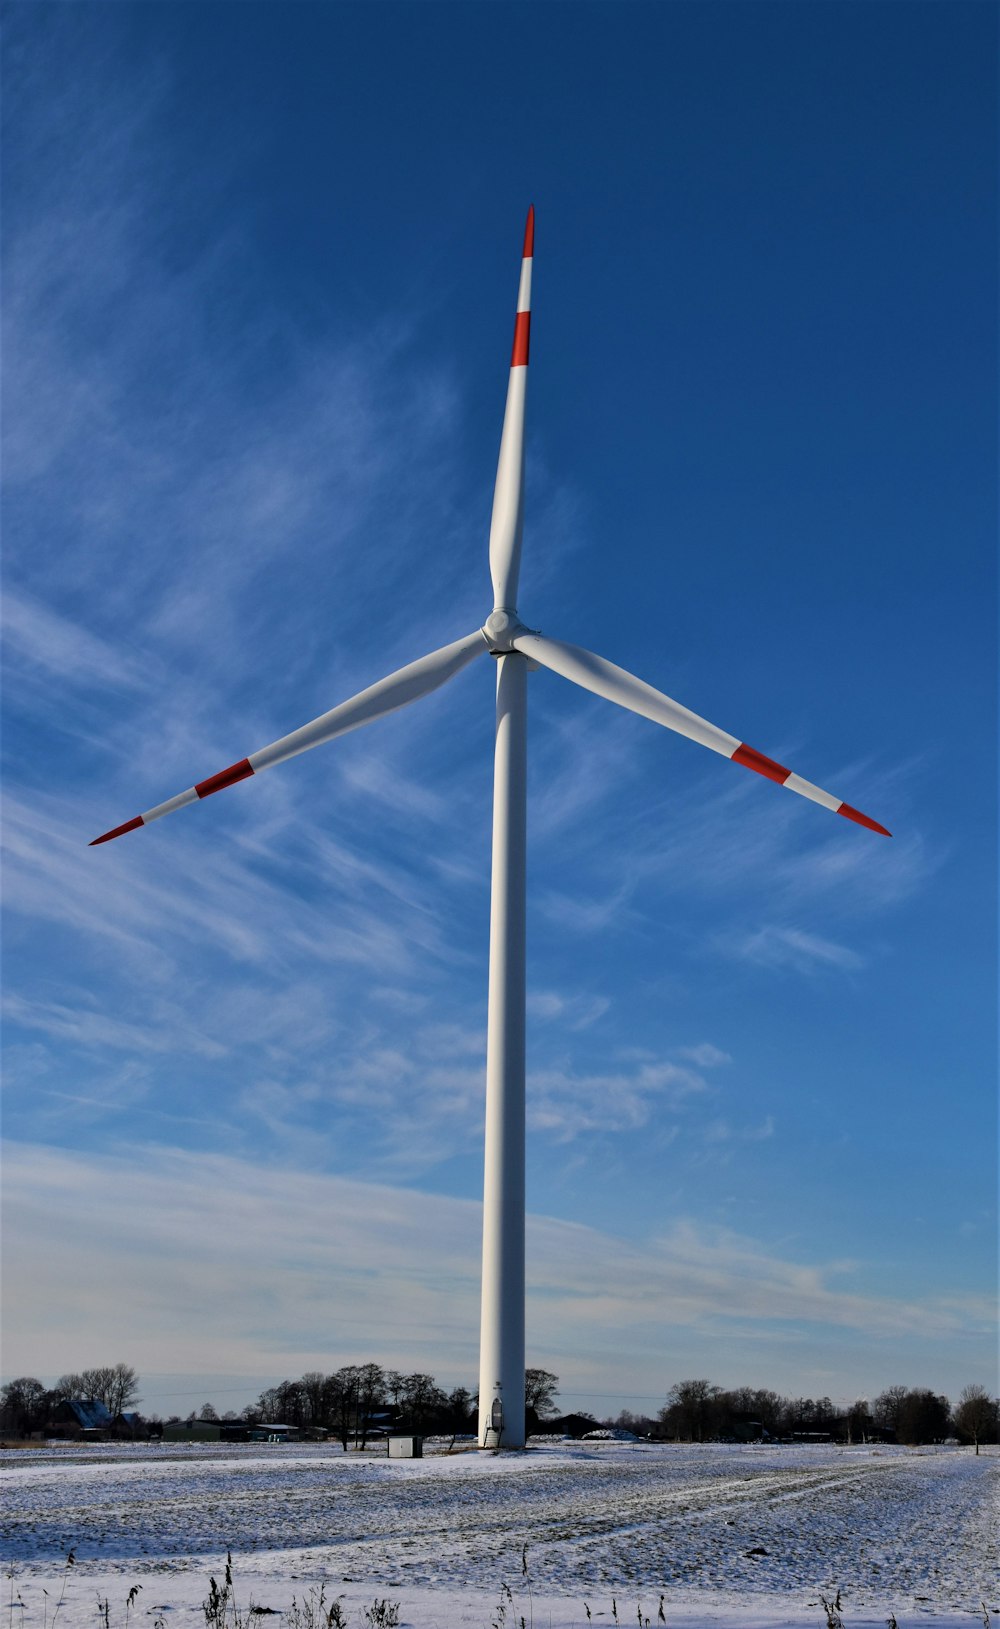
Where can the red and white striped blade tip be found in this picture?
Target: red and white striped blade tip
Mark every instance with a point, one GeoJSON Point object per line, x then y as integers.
{"type": "Point", "coordinates": [528, 251]}
{"type": "Point", "coordinates": [750, 758]}
{"type": "Point", "coordinates": [117, 831]}
{"type": "Point", "coordinates": [201, 789]}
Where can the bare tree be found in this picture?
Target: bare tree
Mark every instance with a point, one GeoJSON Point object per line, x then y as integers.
{"type": "Point", "coordinates": [639, 1424]}
{"type": "Point", "coordinates": [460, 1408]}
{"type": "Point", "coordinates": [540, 1389]}
{"type": "Point", "coordinates": [977, 1415]}
{"type": "Point", "coordinates": [312, 1387]}
{"type": "Point", "coordinates": [96, 1383]}
{"type": "Point", "coordinates": [370, 1396]}
{"type": "Point", "coordinates": [269, 1405]}
{"type": "Point", "coordinates": [799, 1412]}
{"type": "Point", "coordinates": [122, 1389]}
{"type": "Point", "coordinates": [422, 1399]}
{"type": "Point", "coordinates": [916, 1414]}
{"type": "Point", "coordinates": [756, 1403]}
{"type": "Point", "coordinates": [23, 1404]}
{"type": "Point", "coordinates": [689, 1409]}
{"type": "Point", "coordinates": [929, 1419]}
{"type": "Point", "coordinates": [341, 1399]}
{"type": "Point", "coordinates": [887, 1406]}
{"type": "Point", "coordinates": [116, 1385]}
{"type": "Point", "coordinates": [291, 1403]}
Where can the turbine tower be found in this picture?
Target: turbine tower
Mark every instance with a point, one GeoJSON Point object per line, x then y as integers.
{"type": "Point", "coordinates": [517, 650]}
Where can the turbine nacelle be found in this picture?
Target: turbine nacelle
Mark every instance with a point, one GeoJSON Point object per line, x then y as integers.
{"type": "Point", "coordinates": [501, 629]}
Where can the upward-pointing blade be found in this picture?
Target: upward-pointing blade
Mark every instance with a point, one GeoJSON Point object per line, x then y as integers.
{"type": "Point", "coordinates": [615, 684]}
{"type": "Point", "coordinates": [508, 497]}
{"type": "Point", "coordinates": [397, 690]}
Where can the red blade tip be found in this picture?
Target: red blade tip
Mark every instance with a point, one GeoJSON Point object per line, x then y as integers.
{"type": "Point", "coordinates": [119, 831]}
{"type": "Point", "coordinates": [862, 819]}
{"type": "Point", "coordinates": [529, 235]}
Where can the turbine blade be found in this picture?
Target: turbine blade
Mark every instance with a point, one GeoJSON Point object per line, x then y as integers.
{"type": "Point", "coordinates": [397, 690]}
{"type": "Point", "coordinates": [508, 497]}
{"type": "Point", "coordinates": [615, 684]}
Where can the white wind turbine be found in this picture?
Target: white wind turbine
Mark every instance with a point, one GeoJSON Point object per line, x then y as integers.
{"type": "Point", "coordinates": [517, 650]}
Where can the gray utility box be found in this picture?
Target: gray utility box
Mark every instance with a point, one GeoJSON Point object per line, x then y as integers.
{"type": "Point", "coordinates": [406, 1447]}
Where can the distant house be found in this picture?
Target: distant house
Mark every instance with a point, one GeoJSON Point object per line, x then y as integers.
{"type": "Point", "coordinates": [192, 1431]}
{"type": "Point", "coordinates": [131, 1426]}
{"type": "Point", "coordinates": [269, 1431]}
{"type": "Point", "coordinates": [567, 1425]}
{"type": "Point", "coordinates": [746, 1430]}
{"type": "Point", "coordinates": [216, 1431]}
{"type": "Point", "coordinates": [379, 1423]}
{"type": "Point", "coordinates": [82, 1418]}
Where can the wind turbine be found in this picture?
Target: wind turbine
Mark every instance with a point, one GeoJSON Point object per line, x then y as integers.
{"type": "Point", "coordinates": [517, 650]}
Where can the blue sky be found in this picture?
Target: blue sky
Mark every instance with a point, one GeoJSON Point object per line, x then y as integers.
{"type": "Point", "coordinates": [259, 281]}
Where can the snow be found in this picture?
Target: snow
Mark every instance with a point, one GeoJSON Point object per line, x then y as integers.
{"type": "Point", "coordinates": [748, 1535]}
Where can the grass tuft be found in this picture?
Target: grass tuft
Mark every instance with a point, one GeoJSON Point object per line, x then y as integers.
{"type": "Point", "coordinates": [382, 1614]}
{"type": "Point", "coordinates": [832, 1610]}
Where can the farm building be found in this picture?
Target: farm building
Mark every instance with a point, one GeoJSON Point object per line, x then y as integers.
{"type": "Point", "coordinates": [205, 1431]}
{"type": "Point", "coordinates": [82, 1418]}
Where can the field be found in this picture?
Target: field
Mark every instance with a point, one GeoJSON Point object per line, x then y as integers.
{"type": "Point", "coordinates": [748, 1535]}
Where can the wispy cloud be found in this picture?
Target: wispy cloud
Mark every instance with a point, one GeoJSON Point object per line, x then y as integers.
{"type": "Point", "coordinates": [89, 1030]}
{"type": "Point", "coordinates": [578, 913]}
{"type": "Point", "coordinates": [723, 1131]}
{"type": "Point", "coordinates": [568, 1103]}
{"type": "Point", "coordinates": [573, 1012]}
{"type": "Point", "coordinates": [187, 1259]}
{"type": "Point", "coordinates": [577, 735]}
{"type": "Point", "coordinates": [186, 898]}
{"type": "Point", "coordinates": [741, 848]}
{"type": "Point", "coordinates": [705, 1055]}
{"type": "Point", "coordinates": [793, 949]}
{"type": "Point", "coordinates": [37, 637]}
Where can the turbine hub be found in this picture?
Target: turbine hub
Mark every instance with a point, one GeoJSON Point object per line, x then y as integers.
{"type": "Point", "coordinates": [501, 629]}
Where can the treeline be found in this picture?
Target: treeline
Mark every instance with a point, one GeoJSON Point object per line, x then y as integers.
{"type": "Point", "coordinates": [698, 1411]}
{"type": "Point", "coordinates": [352, 1402]}
{"type": "Point", "coordinates": [360, 1398]}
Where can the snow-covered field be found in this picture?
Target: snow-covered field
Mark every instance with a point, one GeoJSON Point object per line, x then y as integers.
{"type": "Point", "coordinates": [741, 1535]}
